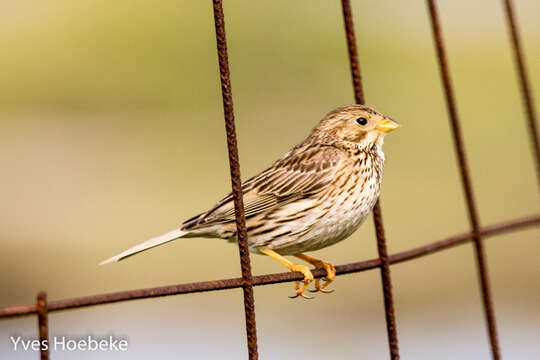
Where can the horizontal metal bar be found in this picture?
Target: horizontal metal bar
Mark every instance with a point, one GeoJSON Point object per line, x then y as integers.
{"type": "Point", "coordinates": [503, 227]}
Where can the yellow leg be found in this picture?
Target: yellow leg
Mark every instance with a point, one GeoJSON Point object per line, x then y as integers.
{"type": "Point", "coordinates": [308, 276]}
{"type": "Point", "coordinates": [319, 264]}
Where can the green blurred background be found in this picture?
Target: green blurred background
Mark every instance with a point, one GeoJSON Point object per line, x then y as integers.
{"type": "Point", "coordinates": [112, 132]}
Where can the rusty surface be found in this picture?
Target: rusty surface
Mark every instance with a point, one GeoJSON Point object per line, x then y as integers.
{"type": "Point", "coordinates": [431, 248]}
{"type": "Point", "coordinates": [353, 53]}
{"type": "Point", "coordinates": [472, 213]}
{"type": "Point", "coordinates": [524, 82]}
{"type": "Point", "coordinates": [43, 324]}
{"type": "Point", "coordinates": [241, 232]}
{"type": "Point", "coordinates": [391, 329]}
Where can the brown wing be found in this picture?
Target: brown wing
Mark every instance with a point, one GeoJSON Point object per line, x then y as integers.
{"type": "Point", "coordinates": [303, 171]}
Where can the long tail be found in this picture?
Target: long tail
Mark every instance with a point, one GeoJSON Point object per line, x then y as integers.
{"type": "Point", "coordinates": [148, 244]}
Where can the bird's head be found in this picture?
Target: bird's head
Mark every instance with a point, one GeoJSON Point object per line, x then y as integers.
{"type": "Point", "coordinates": [357, 124]}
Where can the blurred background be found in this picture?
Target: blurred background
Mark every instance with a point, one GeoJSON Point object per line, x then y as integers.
{"type": "Point", "coordinates": [112, 132]}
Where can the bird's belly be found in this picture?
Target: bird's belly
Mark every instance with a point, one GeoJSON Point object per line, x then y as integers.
{"type": "Point", "coordinates": [324, 229]}
{"type": "Point", "coordinates": [337, 225]}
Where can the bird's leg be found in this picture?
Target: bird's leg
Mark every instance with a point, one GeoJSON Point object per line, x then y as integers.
{"type": "Point", "coordinates": [319, 264]}
{"type": "Point", "coordinates": [308, 276]}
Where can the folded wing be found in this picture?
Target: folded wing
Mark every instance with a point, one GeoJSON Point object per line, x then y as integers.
{"type": "Point", "coordinates": [303, 172]}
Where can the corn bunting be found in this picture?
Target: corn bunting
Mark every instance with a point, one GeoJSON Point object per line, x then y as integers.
{"type": "Point", "coordinates": [315, 195]}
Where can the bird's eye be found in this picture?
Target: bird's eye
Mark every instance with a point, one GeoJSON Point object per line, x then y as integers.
{"type": "Point", "coordinates": [361, 121]}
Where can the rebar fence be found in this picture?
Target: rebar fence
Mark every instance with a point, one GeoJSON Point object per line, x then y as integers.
{"type": "Point", "coordinates": [477, 234]}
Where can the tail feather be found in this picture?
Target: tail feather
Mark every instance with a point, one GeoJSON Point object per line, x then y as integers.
{"type": "Point", "coordinates": [162, 239]}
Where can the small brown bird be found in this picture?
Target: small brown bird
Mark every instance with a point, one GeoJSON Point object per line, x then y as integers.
{"type": "Point", "coordinates": [314, 196]}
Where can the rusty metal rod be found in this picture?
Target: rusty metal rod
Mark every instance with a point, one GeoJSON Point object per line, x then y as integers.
{"type": "Point", "coordinates": [524, 82]}
{"type": "Point", "coordinates": [261, 280]}
{"type": "Point", "coordinates": [352, 51]}
{"type": "Point", "coordinates": [204, 286]}
{"type": "Point", "coordinates": [391, 329]}
{"type": "Point", "coordinates": [241, 232]}
{"type": "Point", "coordinates": [43, 325]}
{"type": "Point", "coordinates": [465, 179]}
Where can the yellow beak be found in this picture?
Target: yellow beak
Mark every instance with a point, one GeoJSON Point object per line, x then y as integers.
{"type": "Point", "coordinates": [386, 125]}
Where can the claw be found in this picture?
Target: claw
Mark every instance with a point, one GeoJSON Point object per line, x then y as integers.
{"type": "Point", "coordinates": [330, 276]}
{"type": "Point", "coordinates": [324, 291]}
{"type": "Point", "coordinates": [319, 264]}
{"type": "Point", "coordinates": [320, 288]}
{"type": "Point", "coordinates": [317, 286]}
{"type": "Point", "coordinates": [308, 277]}
{"type": "Point", "coordinates": [302, 295]}
{"type": "Point", "coordinates": [300, 291]}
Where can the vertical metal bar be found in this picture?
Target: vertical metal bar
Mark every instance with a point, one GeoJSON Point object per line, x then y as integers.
{"type": "Point", "coordinates": [377, 213]}
{"type": "Point", "coordinates": [241, 232]}
{"type": "Point", "coordinates": [43, 325]}
{"type": "Point", "coordinates": [524, 82]}
{"type": "Point", "coordinates": [465, 179]}
{"type": "Point", "coordinates": [353, 52]}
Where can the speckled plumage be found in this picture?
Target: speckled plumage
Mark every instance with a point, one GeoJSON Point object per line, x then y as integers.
{"type": "Point", "coordinates": [315, 195]}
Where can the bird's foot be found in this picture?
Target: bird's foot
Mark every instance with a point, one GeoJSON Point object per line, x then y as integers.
{"type": "Point", "coordinates": [330, 276]}
{"type": "Point", "coordinates": [308, 278]}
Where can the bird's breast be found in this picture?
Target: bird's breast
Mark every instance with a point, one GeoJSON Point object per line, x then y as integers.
{"type": "Point", "coordinates": [348, 202]}
{"type": "Point", "coordinates": [327, 217]}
